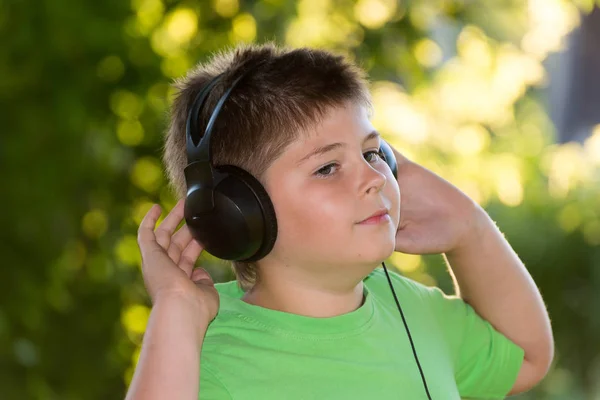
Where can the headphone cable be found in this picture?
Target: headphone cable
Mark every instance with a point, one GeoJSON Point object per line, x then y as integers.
{"type": "Point", "coordinates": [407, 331]}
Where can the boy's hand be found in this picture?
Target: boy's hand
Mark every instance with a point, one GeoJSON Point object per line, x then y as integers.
{"type": "Point", "coordinates": [435, 216]}
{"type": "Point", "coordinates": [168, 262]}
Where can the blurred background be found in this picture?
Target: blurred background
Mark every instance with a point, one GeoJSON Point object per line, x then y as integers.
{"type": "Point", "coordinates": [500, 98]}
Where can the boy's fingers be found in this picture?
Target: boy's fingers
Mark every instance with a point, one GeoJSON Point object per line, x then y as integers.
{"type": "Point", "coordinates": [200, 275]}
{"type": "Point", "coordinates": [179, 242]}
{"type": "Point", "coordinates": [169, 224]}
{"type": "Point", "coordinates": [189, 257]}
{"type": "Point", "coordinates": [146, 237]}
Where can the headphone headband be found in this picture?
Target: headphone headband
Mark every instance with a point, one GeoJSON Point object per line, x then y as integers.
{"type": "Point", "coordinates": [191, 125]}
{"type": "Point", "coordinates": [201, 151]}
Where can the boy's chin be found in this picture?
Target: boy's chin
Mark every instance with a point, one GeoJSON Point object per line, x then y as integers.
{"type": "Point", "coordinates": [384, 249]}
{"type": "Point", "coordinates": [377, 256]}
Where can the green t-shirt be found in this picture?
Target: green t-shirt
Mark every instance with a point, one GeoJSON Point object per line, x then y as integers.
{"type": "Point", "coordinates": [251, 352]}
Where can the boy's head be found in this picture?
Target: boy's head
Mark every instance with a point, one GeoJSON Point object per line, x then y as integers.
{"type": "Point", "coordinates": [290, 102]}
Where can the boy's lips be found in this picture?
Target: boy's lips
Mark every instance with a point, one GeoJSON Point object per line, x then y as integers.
{"type": "Point", "coordinates": [378, 213]}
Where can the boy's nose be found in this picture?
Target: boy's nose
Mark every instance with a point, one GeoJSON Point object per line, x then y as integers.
{"type": "Point", "coordinates": [374, 180]}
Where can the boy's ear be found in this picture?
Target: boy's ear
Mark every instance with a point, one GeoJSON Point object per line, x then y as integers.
{"type": "Point", "coordinates": [389, 158]}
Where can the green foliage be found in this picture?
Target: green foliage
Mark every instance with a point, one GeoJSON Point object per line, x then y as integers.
{"type": "Point", "coordinates": [457, 86]}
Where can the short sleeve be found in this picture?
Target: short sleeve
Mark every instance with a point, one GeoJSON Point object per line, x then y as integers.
{"type": "Point", "coordinates": [211, 387]}
{"type": "Point", "coordinates": [486, 363]}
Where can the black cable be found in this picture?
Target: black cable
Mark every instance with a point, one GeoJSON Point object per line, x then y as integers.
{"type": "Point", "coordinates": [407, 331]}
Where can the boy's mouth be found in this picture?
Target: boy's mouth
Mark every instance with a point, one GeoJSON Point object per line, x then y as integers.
{"type": "Point", "coordinates": [378, 216]}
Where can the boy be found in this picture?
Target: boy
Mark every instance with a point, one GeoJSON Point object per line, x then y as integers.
{"type": "Point", "coordinates": [315, 318]}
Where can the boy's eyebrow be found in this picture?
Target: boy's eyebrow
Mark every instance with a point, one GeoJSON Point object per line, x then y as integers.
{"type": "Point", "coordinates": [333, 146]}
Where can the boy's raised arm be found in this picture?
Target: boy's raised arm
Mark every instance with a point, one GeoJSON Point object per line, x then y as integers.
{"type": "Point", "coordinates": [184, 302]}
{"type": "Point", "coordinates": [438, 218]}
{"type": "Point", "coordinates": [169, 364]}
{"type": "Point", "coordinates": [489, 276]}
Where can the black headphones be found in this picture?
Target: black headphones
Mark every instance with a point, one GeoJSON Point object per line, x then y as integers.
{"type": "Point", "coordinates": [227, 209]}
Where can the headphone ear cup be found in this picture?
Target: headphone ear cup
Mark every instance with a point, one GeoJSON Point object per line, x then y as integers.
{"type": "Point", "coordinates": [242, 224]}
{"type": "Point", "coordinates": [262, 199]}
{"type": "Point", "coordinates": [389, 158]}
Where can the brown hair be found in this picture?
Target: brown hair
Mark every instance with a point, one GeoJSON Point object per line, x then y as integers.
{"type": "Point", "coordinates": [285, 92]}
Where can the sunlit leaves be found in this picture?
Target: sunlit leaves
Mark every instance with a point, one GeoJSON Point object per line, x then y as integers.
{"type": "Point", "coordinates": [175, 32]}
{"type": "Point", "coordinates": [373, 14]}
{"type": "Point", "coordinates": [321, 24]}
{"type": "Point", "coordinates": [549, 23]}
{"type": "Point", "coordinates": [567, 169]}
{"type": "Point", "coordinates": [147, 174]}
{"type": "Point", "coordinates": [135, 317]}
{"type": "Point", "coordinates": [126, 104]}
{"type": "Point", "coordinates": [95, 223]}
{"type": "Point", "coordinates": [471, 139]}
{"type": "Point", "coordinates": [591, 146]}
{"type": "Point", "coordinates": [111, 68]}
{"type": "Point", "coordinates": [397, 114]}
{"type": "Point", "coordinates": [127, 251]}
{"type": "Point", "coordinates": [149, 13]}
{"type": "Point", "coordinates": [130, 132]}
{"type": "Point", "coordinates": [226, 8]}
{"type": "Point", "coordinates": [428, 53]}
{"type": "Point", "coordinates": [243, 28]}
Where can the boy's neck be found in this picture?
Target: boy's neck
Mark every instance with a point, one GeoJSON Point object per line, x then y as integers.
{"type": "Point", "coordinates": [306, 301]}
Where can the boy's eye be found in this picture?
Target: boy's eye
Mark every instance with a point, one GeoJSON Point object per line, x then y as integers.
{"type": "Point", "coordinates": [376, 153]}
{"type": "Point", "coordinates": [369, 156]}
{"type": "Point", "coordinates": [325, 171]}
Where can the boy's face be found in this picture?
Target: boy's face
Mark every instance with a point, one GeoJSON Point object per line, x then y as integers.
{"type": "Point", "coordinates": [320, 201]}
